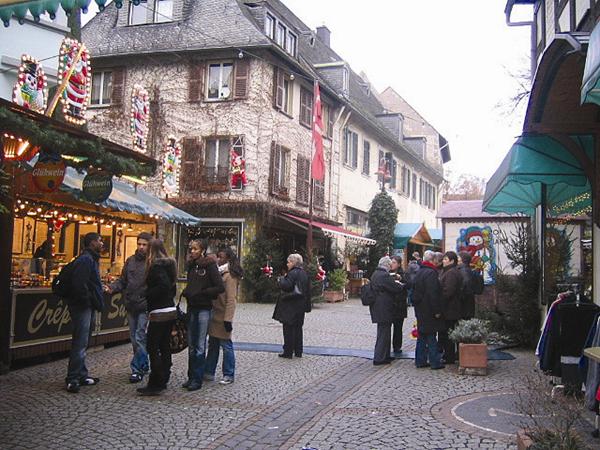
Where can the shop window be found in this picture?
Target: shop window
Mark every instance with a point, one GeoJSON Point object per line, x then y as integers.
{"type": "Point", "coordinates": [279, 171]}
{"type": "Point", "coordinates": [306, 107]}
{"type": "Point", "coordinates": [101, 88]}
{"type": "Point", "coordinates": [219, 81]}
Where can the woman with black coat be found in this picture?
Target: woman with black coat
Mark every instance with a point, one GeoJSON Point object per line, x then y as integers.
{"type": "Point", "coordinates": [291, 306]}
{"type": "Point", "coordinates": [385, 309]}
{"type": "Point", "coordinates": [451, 282]}
{"type": "Point", "coordinates": [161, 275]}
{"type": "Point", "coordinates": [400, 304]}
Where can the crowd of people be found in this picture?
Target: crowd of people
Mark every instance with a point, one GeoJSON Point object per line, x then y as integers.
{"type": "Point", "coordinates": [437, 286]}
{"type": "Point", "coordinates": [440, 287]}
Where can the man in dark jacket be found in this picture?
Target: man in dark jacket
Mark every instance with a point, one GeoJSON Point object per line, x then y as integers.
{"type": "Point", "coordinates": [204, 284]}
{"type": "Point", "coordinates": [292, 305]}
{"type": "Point", "coordinates": [452, 284]}
{"type": "Point", "coordinates": [427, 299]}
{"type": "Point", "coordinates": [411, 272]}
{"type": "Point", "coordinates": [468, 296]}
{"type": "Point", "coordinates": [85, 298]}
{"type": "Point", "coordinates": [132, 283]}
{"type": "Point", "coordinates": [384, 310]}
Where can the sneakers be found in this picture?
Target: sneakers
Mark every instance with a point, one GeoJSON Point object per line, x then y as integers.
{"type": "Point", "coordinates": [73, 388]}
{"type": "Point", "coordinates": [136, 378]}
{"type": "Point", "coordinates": [226, 380]}
{"type": "Point", "coordinates": [89, 381]}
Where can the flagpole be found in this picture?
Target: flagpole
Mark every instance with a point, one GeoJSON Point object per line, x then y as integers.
{"type": "Point", "coordinates": [318, 171]}
{"type": "Point", "coordinates": [309, 232]}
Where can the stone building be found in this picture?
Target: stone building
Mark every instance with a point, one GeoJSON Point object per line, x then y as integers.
{"type": "Point", "coordinates": [231, 76]}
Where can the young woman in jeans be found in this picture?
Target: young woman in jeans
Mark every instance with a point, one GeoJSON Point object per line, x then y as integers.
{"type": "Point", "coordinates": [204, 283]}
{"type": "Point", "coordinates": [220, 326]}
{"type": "Point", "coordinates": [161, 274]}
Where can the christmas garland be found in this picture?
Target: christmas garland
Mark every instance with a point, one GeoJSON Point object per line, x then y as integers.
{"type": "Point", "coordinates": [65, 144]}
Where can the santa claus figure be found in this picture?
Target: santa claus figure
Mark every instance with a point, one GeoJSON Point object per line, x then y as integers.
{"type": "Point", "coordinates": [238, 171]}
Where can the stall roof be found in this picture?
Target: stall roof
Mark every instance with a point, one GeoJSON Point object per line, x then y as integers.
{"type": "Point", "coordinates": [126, 198]}
{"type": "Point", "coordinates": [332, 230]}
{"type": "Point", "coordinates": [415, 233]}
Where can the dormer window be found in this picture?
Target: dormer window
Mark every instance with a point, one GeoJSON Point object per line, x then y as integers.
{"type": "Point", "coordinates": [151, 11]}
{"type": "Point", "coordinates": [345, 80]}
{"type": "Point", "coordinates": [281, 34]}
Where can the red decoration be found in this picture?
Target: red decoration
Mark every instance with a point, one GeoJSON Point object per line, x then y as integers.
{"type": "Point", "coordinates": [238, 170]}
{"type": "Point", "coordinates": [57, 224]}
{"type": "Point", "coordinates": [318, 162]}
{"type": "Point", "coordinates": [320, 273]}
{"type": "Point", "coordinates": [414, 333]}
{"type": "Point", "coordinates": [267, 270]}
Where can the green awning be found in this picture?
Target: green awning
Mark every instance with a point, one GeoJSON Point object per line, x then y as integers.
{"type": "Point", "coordinates": [533, 160]}
{"type": "Point", "coordinates": [590, 87]}
{"type": "Point", "coordinates": [20, 8]}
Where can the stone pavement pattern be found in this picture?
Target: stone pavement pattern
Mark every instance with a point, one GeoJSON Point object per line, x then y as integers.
{"type": "Point", "coordinates": [322, 402]}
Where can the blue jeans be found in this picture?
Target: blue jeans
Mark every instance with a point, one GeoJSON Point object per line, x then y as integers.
{"type": "Point", "coordinates": [197, 331]}
{"type": "Point", "coordinates": [82, 319]}
{"type": "Point", "coordinates": [427, 349]}
{"type": "Point", "coordinates": [213, 356]}
{"type": "Point", "coordinates": [137, 335]}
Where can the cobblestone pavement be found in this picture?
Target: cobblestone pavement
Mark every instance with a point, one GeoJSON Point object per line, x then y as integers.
{"type": "Point", "coordinates": [317, 401]}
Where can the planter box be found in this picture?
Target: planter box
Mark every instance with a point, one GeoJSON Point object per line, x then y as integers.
{"type": "Point", "coordinates": [333, 296]}
{"type": "Point", "coordinates": [472, 359]}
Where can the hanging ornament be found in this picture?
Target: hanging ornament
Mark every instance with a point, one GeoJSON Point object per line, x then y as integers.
{"type": "Point", "coordinates": [74, 70]}
{"type": "Point", "coordinates": [238, 170]}
{"type": "Point", "coordinates": [320, 273]}
{"type": "Point", "coordinates": [140, 115]}
{"type": "Point", "coordinates": [171, 164]}
{"type": "Point", "coordinates": [414, 333]}
{"type": "Point", "coordinates": [30, 89]}
{"type": "Point", "coordinates": [267, 270]}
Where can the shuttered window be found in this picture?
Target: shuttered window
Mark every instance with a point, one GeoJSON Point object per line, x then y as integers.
{"type": "Point", "coordinates": [196, 81]}
{"type": "Point", "coordinates": [351, 149]}
{"type": "Point", "coordinates": [366, 167]}
{"type": "Point", "coordinates": [241, 79]}
{"type": "Point", "coordinates": [216, 161]}
{"type": "Point", "coordinates": [279, 170]}
{"type": "Point", "coordinates": [318, 194]}
{"type": "Point", "coordinates": [302, 180]}
{"type": "Point", "coordinates": [190, 180]}
{"type": "Point", "coordinates": [306, 106]}
{"type": "Point", "coordinates": [327, 120]}
{"type": "Point", "coordinates": [282, 91]}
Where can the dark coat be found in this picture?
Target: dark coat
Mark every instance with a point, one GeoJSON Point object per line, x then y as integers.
{"type": "Point", "coordinates": [401, 311]}
{"type": "Point", "coordinates": [204, 283]}
{"type": "Point", "coordinates": [86, 287]}
{"type": "Point", "coordinates": [160, 284]}
{"type": "Point", "coordinates": [427, 300]}
{"type": "Point", "coordinates": [411, 272]}
{"type": "Point", "coordinates": [451, 281]}
{"type": "Point", "coordinates": [132, 283]}
{"type": "Point", "coordinates": [387, 292]}
{"type": "Point", "coordinates": [290, 307]}
{"type": "Point", "coordinates": [468, 297]}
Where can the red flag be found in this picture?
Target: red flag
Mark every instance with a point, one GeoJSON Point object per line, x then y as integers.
{"type": "Point", "coordinates": [318, 162]}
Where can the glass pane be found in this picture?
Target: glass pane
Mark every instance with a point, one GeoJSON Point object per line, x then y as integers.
{"type": "Point", "coordinates": [163, 11]}
{"type": "Point", "coordinates": [226, 80]}
{"type": "Point", "coordinates": [214, 72]}
{"type": "Point", "coordinates": [224, 153]}
{"type": "Point", "coordinates": [107, 88]}
{"type": "Point", "coordinates": [96, 87]}
{"type": "Point", "coordinates": [280, 38]}
{"type": "Point", "coordinates": [137, 14]}
{"type": "Point", "coordinates": [211, 149]}
{"type": "Point", "coordinates": [270, 26]}
{"type": "Point", "coordinates": [290, 44]}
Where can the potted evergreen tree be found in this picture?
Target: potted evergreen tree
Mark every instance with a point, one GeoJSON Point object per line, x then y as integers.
{"type": "Point", "coordinates": [472, 348]}
{"type": "Point", "coordinates": [335, 291]}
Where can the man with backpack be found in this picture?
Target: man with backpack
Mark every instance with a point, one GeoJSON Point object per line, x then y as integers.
{"type": "Point", "coordinates": [84, 296]}
{"type": "Point", "coordinates": [472, 285]}
{"type": "Point", "coordinates": [132, 283]}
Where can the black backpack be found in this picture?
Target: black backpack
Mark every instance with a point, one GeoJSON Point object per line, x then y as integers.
{"type": "Point", "coordinates": [62, 284]}
{"type": "Point", "coordinates": [367, 294]}
{"type": "Point", "coordinates": [477, 284]}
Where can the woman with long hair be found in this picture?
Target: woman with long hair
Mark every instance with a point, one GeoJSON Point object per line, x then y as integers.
{"type": "Point", "coordinates": [204, 284]}
{"type": "Point", "coordinates": [161, 275]}
{"type": "Point", "coordinates": [451, 282]}
{"type": "Point", "coordinates": [220, 327]}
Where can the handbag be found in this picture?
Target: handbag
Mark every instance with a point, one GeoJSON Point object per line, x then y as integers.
{"type": "Point", "coordinates": [178, 340]}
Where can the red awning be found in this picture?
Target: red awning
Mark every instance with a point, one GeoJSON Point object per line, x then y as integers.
{"type": "Point", "coordinates": [331, 230]}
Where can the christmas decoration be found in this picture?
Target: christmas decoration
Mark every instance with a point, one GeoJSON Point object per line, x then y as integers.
{"type": "Point", "coordinates": [320, 273]}
{"type": "Point", "coordinates": [16, 148]}
{"type": "Point", "coordinates": [140, 115]}
{"type": "Point", "coordinates": [48, 173]}
{"type": "Point", "coordinates": [238, 170]}
{"type": "Point", "coordinates": [30, 89]}
{"type": "Point", "coordinates": [171, 164]}
{"type": "Point", "coordinates": [267, 270]}
{"type": "Point", "coordinates": [382, 220]}
{"type": "Point", "coordinates": [75, 75]}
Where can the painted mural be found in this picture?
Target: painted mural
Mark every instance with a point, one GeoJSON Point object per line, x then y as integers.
{"type": "Point", "coordinates": [479, 242]}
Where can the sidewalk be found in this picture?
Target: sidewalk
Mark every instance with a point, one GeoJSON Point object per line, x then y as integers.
{"type": "Point", "coordinates": [326, 402]}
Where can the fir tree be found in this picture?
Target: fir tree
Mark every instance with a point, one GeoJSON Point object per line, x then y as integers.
{"type": "Point", "coordinates": [383, 217]}
{"type": "Point", "coordinates": [258, 287]}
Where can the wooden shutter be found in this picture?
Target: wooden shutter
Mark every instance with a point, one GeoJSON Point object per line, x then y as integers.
{"type": "Point", "coordinates": [241, 79]}
{"type": "Point", "coordinates": [354, 150]}
{"type": "Point", "coordinates": [274, 166]}
{"type": "Point", "coordinates": [278, 88]}
{"type": "Point", "coordinates": [302, 180]}
{"type": "Point", "coordinates": [191, 165]}
{"type": "Point", "coordinates": [196, 81]}
{"type": "Point", "coordinates": [318, 194]}
{"type": "Point", "coordinates": [118, 86]}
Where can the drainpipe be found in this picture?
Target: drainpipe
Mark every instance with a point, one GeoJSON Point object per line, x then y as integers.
{"type": "Point", "coordinates": [530, 23]}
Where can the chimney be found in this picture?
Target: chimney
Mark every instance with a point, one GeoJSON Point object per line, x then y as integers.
{"type": "Point", "coordinates": [324, 34]}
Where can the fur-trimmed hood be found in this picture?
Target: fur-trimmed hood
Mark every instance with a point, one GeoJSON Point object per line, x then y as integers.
{"type": "Point", "coordinates": [203, 262]}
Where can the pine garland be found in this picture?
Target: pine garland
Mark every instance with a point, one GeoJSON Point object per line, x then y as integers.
{"type": "Point", "coordinates": [383, 217]}
{"type": "Point", "coordinates": [53, 140]}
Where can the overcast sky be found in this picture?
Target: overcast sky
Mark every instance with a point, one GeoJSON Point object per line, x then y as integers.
{"type": "Point", "coordinates": [453, 61]}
